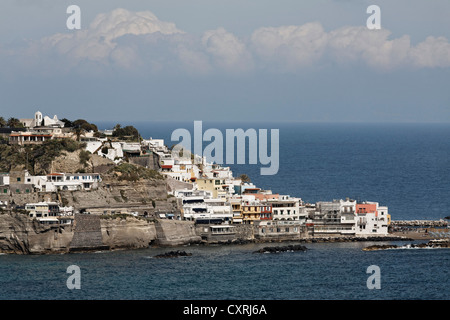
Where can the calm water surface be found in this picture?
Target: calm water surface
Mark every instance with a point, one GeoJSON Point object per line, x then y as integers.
{"type": "Point", "coordinates": [405, 167]}
{"type": "Point", "coordinates": [325, 271]}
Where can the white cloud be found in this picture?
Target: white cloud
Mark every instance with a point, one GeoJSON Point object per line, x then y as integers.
{"type": "Point", "coordinates": [227, 51]}
{"type": "Point", "coordinates": [433, 52]}
{"type": "Point", "coordinates": [140, 43]}
{"type": "Point", "coordinates": [373, 47]}
{"type": "Point", "coordinates": [99, 39]}
{"type": "Point", "coordinates": [290, 46]}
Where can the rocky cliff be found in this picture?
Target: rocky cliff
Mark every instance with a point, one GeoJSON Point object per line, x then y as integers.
{"type": "Point", "coordinates": [20, 234]}
{"type": "Point", "coordinates": [127, 233]}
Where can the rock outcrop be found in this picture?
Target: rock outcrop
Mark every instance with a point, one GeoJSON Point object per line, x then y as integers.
{"type": "Point", "coordinates": [22, 235]}
{"type": "Point", "coordinates": [174, 254]}
{"type": "Point", "coordinates": [277, 249]}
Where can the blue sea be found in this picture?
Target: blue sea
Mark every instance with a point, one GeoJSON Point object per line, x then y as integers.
{"type": "Point", "coordinates": [403, 166]}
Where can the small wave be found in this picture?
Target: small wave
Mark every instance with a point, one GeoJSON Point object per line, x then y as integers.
{"type": "Point", "coordinates": [408, 247]}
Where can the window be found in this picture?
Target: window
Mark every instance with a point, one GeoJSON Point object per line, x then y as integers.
{"type": "Point", "coordinates": [18, 179]}
{"type": "Point", "coordinates": [17, 191]}
{"type": "Point", "coordinates": [5, 190]}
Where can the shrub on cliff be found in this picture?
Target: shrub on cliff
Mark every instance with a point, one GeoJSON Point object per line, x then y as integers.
{"type": "Point", "coordinates": [130, 172]}
{"type": "Point", "coordinates": [84, 157]}
{"type": "Point", "coordinates": [12, 156]}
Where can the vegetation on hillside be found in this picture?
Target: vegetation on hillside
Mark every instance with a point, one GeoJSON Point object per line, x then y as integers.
{"type": "Point", "coordinates": [128, 133]}
{"type": "Point", "coordinates": [10, 123]}
{"type": "Point", "coordinates": [129, 172]}
{"type": "Point", "coordinates": [245, 178]}
{"type": "Point", "coordinates": [28, 156]}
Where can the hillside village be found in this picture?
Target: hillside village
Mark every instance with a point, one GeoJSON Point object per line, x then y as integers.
{"type": "Point", "coordinates": [55, 169]}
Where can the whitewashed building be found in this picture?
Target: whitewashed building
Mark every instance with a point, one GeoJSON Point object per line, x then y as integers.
{"type": "Point", "coordinates": [65, 181]}
{"type": "Point", "coordinates": [287, 208]}
{"type": "Point", "coordinates": [371, 219]}
{"type": "Point", "coordinates": [199, 205]}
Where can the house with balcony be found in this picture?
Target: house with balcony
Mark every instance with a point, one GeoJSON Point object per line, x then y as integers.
{"type": "Point", "coordinates": [44, 212]}
{"type": "Point", "coordinates": [371, 219]}
{"type": "Point", "coordinates": [256, 211]}
{"type": "Point", "coordinates": [288, 208]}
{"type": "Point", "coordinates": [335, 217]}
{"type": "Point", "coordinates": [200, 206]}
{"type": "Point", "coordinates": [28, 137]}
{"type": "Point", "coordinates": [66, 182]}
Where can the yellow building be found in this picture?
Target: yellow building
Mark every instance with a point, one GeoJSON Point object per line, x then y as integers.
{"type": "Point", "coordinates": [250, 213]}
{"type": "Point", "coordinates": [237, 210]}
{"type": "Point", "coordinates": [217, 187]}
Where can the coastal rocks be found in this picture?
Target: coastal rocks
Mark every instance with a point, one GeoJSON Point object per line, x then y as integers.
{"type": "Point", "coordinates": [356, 239]}
{"type": "Point", "coordinates": [22, 235]}
{"type": "Point", "coordinates": [173, 254]}
{"type": "Point", "coordinates": [429, 245]}
{"type": "Point", "coordinates": [380, 247]}
{"type": "Point", "coordinates": [289, 248]}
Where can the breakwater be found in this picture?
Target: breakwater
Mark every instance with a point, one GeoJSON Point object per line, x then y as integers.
{"type": "Point", "coordinates": [419, 223]}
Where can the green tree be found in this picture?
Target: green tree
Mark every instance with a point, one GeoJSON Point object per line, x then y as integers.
{"type": "Point", "coordinates": [14, 123]}
{"type": "Point", "coordinates": [83, 124]}
{"type": "Point", "coordinates": [67, 123]}
{"type": "Point", "coordinates": [3, 122]}
{"type": "Point", "coordinates": [126, 133]}
{"type": "Point", "coordinates": [244, 178]}
{"type": "Point", "coordinates": [78, 132]}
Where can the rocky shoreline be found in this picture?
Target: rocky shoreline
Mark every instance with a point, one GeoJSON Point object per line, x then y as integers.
{"type": "Point", "coordinates": [20, 234]}
{"type": "Point", "coordinates": [306, 240]}
{"type": "Point", "coordinates": [435, 244]}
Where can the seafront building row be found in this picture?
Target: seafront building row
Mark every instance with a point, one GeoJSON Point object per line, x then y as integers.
{"type": "Point", "coordinates": [207, 193]}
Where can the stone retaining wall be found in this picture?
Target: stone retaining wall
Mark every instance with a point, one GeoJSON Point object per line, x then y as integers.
{"type": "Point", "coordinates": [87, 233]}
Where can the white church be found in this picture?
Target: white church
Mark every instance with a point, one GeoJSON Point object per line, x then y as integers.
{"type": "Point", "coordinates": [40, 121]}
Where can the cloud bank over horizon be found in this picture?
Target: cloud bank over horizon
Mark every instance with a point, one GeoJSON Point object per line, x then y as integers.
{"type": "Point", "coordinates": [139, 43]}
{"type": "Point", "coordinates": [134, 65]}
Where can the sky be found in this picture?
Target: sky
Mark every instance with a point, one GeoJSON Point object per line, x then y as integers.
{"type": "Point", "coordinates": [211, 60]}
